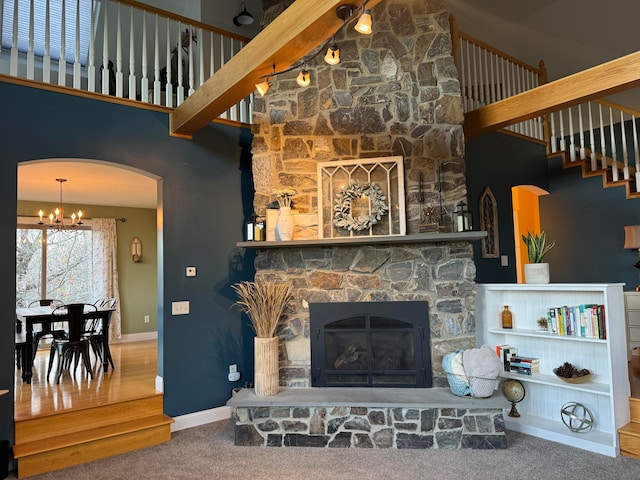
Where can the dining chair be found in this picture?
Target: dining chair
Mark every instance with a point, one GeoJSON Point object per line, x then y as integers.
{"type": "Point", "coordinates": [21, 349]}
{"type": "Point", "coordinates": [75, 346]}
{"type": "Point", "coordinates": [95, 333]}
{"type": "Point", "coordinates": [46, 330]}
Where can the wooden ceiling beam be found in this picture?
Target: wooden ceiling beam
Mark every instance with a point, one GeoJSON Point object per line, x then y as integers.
{"type": "Point", "coordinates": [294, 33]}
{"type": "Point", "coordinates": [597, 82]}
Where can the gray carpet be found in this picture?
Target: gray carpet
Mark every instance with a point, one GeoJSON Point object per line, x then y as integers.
{"type": "Point", "coordinates": [207, 452]}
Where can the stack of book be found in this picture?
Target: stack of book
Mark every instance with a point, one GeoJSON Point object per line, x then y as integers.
{"type": "Point", "coordinates": [524, 365]}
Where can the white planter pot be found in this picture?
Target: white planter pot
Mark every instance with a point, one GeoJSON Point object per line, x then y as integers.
{"type": "Point", "coordinates": [536, 273]}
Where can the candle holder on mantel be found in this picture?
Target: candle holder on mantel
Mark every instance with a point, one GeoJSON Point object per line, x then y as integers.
{"type": "Point", "coordinates": [462, 220]}
{"type": "Point", "coordinates": [430, 221]}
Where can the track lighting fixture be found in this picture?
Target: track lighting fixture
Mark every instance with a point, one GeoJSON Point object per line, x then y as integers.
{"type": "Point", "coordinates": [304, 79]}
{"type": "Point", "coordinates": [364, 22]}
{"type": "Point", "coordinates": [333, 54]}
{"type": "Point", "coordinates": [263, 87]}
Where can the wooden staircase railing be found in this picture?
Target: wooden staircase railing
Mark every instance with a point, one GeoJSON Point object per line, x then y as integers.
{"type": "Point", "coordinates": [124, 49]}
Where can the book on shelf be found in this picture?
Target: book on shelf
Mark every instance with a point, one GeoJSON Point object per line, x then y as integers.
{"type": "Point", "coordinates": [528, 360]}
{"type": "Point", "coordinates": [505, 352]}
{"type": "Point", "coordinates": [586, 321]}
{"type": "Point", "coordinates": [523, 371]}
{"type": "Point", "coordinates": [523, 365]}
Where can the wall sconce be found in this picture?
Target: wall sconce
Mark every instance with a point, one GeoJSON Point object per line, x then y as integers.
{"type": "Point", "coordinates": [462, 220]}
{"type": "Point", "coordinates": [632, 242]}
{"type": "Point", "coordinates": [243, 17]}
{"type": "Point", "coordinates": [364, 22]}
{"type": "Point", "coordinates": [136, 250]}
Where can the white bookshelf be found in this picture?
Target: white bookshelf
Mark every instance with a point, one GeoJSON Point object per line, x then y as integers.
{"type": "Point", "coordinates": [606, 395]}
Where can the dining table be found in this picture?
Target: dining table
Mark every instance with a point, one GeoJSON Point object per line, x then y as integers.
{"type": "Point", "coordinates": [44, 316]}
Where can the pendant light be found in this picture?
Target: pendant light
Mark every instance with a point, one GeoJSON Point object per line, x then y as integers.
{"type": "Point", "coordinates": [56, 218]}
{"type": "Point", "coordinates": [304, 79]}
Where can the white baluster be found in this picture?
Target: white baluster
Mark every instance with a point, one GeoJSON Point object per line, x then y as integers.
{"type": "Point", "coordinates": [614, 156]}
{"type": "Point", "coordinates": [483, 77]}
{"type": "Point", "coordinates": [625, 156]}
{"type": "Point", "coordinates": [46, 58]}
{"type": "Point", "coordinates": [62, 62]}
{"type": "Point", "coordinates": [91, 68]}
{"type": "Point", "coordinates": [474, 91]}
{"type": "Point", "coordinates": [636, 152]}
{"type": "Point", "coordinates": [469, 92]}
{"type": "Point", "coordinates": [157, 86]}
{"type": "Point", "coordinates": [592, 142]}
{"type": "Point", "coordinates": [105, 54]}
{"type": "Point", "coordinates": [201, 56]}
{"type": "Point", "coordinates": [212, 66]}
{"type": "Point", "coordinates": [13, 67]}
{"type": "Point", "coordinates": [30, 54]}
{"type": "Point", "coordinates": [503, 77]}
{"type": "Point", "coordinates": [132, 59]}
{"type": "Point", "coordinates": [572, 146]}
{"type": "Point", "coordinates": [553, 139]}
{"type": "Point", "coordinates": [583, 151]}
{"type": "Point", "coordinates": [119, 73]}
{"type": "Point", "coordinates": [463, 78]}
{"type": "Point", "coordinates": [77, 67]}
{"type": "Point", "coordinates": [222, 61]}
{"type": "Point", "coordinates": [191, 61]}
{"type": "Point", "coordinates": [603, 145]}
{"type": "Point", "coordinates": [180, 88]}
{"type": "Point", "coordinates": [491, 78]}
{"type": "Point", "coordinates": [169, 87]}
{"type": "Point", "coordinates": [563, 142]}
{"type": "Point", "coordinates": [144, 83]}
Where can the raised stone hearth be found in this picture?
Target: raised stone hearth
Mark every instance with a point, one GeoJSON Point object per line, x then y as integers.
{"type": "Point", "coordinates": [368, 418]}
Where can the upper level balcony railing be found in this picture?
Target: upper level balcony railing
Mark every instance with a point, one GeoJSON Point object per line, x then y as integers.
{"type": "Point", "coordinates": [115, 48]}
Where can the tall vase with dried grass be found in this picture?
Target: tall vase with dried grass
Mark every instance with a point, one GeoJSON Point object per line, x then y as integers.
{"type": "Point", "coordinates": [264, 303]}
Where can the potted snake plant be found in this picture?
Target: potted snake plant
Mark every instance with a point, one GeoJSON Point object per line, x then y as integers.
{"type": "Point", "coordinates": [537, 271]}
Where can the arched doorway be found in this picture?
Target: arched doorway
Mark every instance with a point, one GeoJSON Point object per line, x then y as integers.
{"type": "Point", "coordinates": [104, 189]}
{"type": "Point", "coordinates": [526, 218]}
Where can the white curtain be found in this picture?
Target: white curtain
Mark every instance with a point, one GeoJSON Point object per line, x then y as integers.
{"type": "Point", "coordinates": [105, 270]}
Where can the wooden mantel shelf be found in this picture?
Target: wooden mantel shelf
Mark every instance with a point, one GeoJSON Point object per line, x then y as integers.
{"type": "Point", "coordinates": [378, 240]}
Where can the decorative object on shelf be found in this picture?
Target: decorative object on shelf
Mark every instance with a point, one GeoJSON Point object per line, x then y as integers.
{"type": "Point", "coordinates": [577, 417]}
{"type": "Point", "coordinates": [513, 390]}
{"type": "Point", "coordinates": [430, 221]}
{"type": "Point", "coordinates": [285, 223]}
{"type": "Point", "coordinates": [386, 173]}
{"type": "Point", "coordinates": [243, 17]}
{"type": "Point", "coordinates": [543, 324]}
{"type": "Point", "coordinates": [264, 304]}
{"type": "Point", "coordinates": [571, 374]}
{"type": "Point", "coordinates": [632, 242]}
{"type": "Point", "coordinates": [343, 209]}
{"type": "Point", "coordinates": [489, 223]}
{"type": "Point", "coordinates": [462, 220]}
{"type": "Point", "coordinates": [507, 317]}
{"type": "Point", "coordinates": [536, 271]}
{"type": "Point", "coordinates": [136, 250]}
{"type": "Point", "coordinates": [56, 218]}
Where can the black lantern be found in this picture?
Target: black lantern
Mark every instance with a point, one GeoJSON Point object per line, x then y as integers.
{"type": "Point", "coordinates": [249, 228]}
{"type": "Point", "coordinates": [462, 220]}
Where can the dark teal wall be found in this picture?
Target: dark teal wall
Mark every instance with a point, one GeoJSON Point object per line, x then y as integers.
{"type": "Point", "coordinates": [501, 161]}
{"type": "Point", "coordinates": [205, 189]}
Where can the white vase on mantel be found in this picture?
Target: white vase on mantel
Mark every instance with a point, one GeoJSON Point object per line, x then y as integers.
{"type": "Point", "coordinates": [284, 226]}
{"type": "Point", "coordinates": [536, 273]}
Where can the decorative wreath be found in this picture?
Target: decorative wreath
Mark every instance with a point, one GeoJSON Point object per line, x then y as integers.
{"type": "Point", "coordinates": [342, 217]}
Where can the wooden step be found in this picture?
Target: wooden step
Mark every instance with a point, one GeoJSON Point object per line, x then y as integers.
{"type": "Point", "coordinates": [73, 449]}
{"type": "Point", "coordinates": [634, 407]}
{"type": "Point", "coordinates": [67, 422]}
{"type": "Point", "coordinates": [52, 442]}
{"type": "Point", "coordinates": [630, 440]}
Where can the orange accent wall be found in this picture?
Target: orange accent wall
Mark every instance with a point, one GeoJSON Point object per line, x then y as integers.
{"type": "Point", "coordinates": [526, 218]}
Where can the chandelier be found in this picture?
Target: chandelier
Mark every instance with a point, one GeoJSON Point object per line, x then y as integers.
{"type": "Point", "coordinates": [56, 218]}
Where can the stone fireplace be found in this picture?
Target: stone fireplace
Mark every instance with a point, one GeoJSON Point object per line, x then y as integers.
{"type": "Point", "coordinates": [395, 93]}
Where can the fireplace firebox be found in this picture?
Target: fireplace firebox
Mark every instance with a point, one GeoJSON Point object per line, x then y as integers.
{"type": "Point", "coordinates": [370, 344]}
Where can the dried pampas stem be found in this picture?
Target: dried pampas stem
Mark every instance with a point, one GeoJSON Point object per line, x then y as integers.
{"type": "Point", "coordinates": [264, 303]}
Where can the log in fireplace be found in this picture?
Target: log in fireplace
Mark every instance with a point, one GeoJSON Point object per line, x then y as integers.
{"type": "Point", "coordinates": [370, 344]}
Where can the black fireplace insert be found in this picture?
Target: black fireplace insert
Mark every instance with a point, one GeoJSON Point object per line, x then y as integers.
{"type": "Point", "coordinates": [370, 344]}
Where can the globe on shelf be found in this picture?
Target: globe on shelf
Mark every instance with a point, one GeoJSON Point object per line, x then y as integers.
{"type": "Point", "coordinates": [513, 390]}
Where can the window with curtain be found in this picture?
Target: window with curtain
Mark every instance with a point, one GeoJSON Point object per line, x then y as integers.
{"type": "Point", "coordinates": [53, 264]}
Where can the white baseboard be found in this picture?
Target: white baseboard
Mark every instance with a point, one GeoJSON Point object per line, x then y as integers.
{"type": "Point", "coordinates": [200, 418]}
{"type": "Point", "coordinates": [135, 337]}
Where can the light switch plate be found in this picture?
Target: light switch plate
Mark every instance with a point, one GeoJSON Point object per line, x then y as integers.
{"type": "Point", "coordinates": [180, 308]}
{"type": "Point", "coordinates": [191, 271]}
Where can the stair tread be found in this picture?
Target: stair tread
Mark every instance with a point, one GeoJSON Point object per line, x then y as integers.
{"type": "Point", "coordinates": [632, 428]}
{"type": "Point", "coordinates": [67, 440]}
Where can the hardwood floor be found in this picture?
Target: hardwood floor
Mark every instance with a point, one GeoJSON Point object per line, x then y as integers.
{"type": "Point", "coordinates": [634, 376]}
{"type": "Point", "coordinates": [133, 377]}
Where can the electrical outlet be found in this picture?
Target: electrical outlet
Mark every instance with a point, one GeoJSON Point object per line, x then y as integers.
{"type": "Point", "coordinates": [180, 308]}
{"type": "Point", "coordinates": [504, 261]}
{"type": "Point", "coordinates": [146, 319]}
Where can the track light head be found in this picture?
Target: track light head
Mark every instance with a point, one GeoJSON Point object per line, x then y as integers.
{"type": "Point", "coordinates": [263, 87]}
{"type": "Point", "coordinates": [364, 22]}
{"type": "Point", "coordinates": [304, 79]}
{"type": "Point", "coordinates": [333, 54]}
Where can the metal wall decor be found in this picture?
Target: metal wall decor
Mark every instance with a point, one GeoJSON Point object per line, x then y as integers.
{"type": "Point", "coordinates": [489, 223]}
